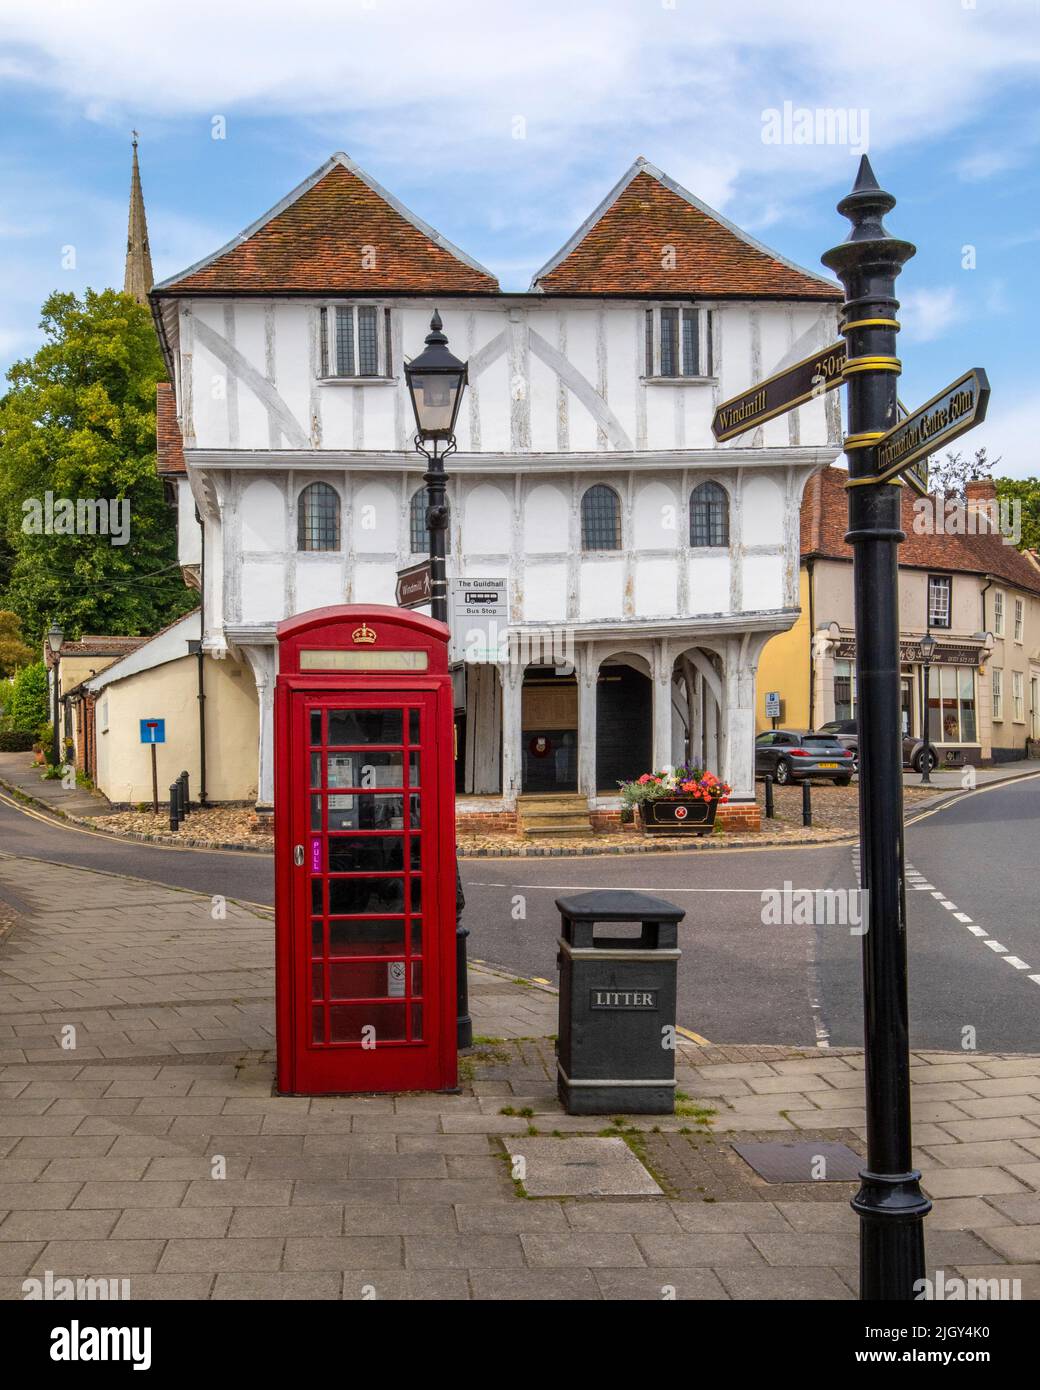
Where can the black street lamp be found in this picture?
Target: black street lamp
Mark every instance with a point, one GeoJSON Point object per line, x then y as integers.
{"type": "Point", "coordinates": [889, 1203]}
{"type": "Point", "coordinates": [928, 645]}
{"type": "Point", "coordinates": [55, 637]}
{"type": "Point", "coordinates": [436, 380]}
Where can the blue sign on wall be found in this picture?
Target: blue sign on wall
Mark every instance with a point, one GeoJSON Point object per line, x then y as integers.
{"type": "Point", "coordinates": [153, 730]}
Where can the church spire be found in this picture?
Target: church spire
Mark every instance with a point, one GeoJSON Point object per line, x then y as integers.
{"type": "Point", "coordinates": [138, 279]}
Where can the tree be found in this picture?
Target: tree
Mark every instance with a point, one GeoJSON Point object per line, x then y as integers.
{"type": "Point", "coordinates": [949, 477]}
{"type": "Point", "coordinates": [13, 651]}
{"type": "Point", "coordinates": [79, 424]}
{"type": "Point", "coordinates": [30, 697]}
{"type": "Point", "coordinates": [1027, 492]}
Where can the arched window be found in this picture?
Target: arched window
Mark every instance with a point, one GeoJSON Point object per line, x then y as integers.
{"type": "Point", "coordinates": [317, 526]}
{"type": "Point", "coordinates": [420, 536]}
{"type": "Point", "coordinates": [709, 515]}
{"type": "Point", "coordinates": [600, 519]}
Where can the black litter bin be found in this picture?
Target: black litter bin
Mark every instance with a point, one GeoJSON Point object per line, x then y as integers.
{"type": "Point", "coordinates": [616, 1049]}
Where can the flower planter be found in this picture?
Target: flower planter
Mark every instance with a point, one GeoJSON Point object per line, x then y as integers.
{"type": "Point", "coordinates": [678, 815]}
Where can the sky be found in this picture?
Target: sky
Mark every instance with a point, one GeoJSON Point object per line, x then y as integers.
{"type": "Point", "coordinates": [503, 123]}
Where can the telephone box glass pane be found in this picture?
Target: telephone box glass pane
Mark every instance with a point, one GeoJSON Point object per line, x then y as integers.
{"type": "Point", "coordinates": [369, 811]}
{"type": "Point", "coordinates": [413, 726]}
{"type": "Point", "coordinates": [317, 905]}
{"type": "Point", "coordinates": [315, 726]}
{"type": "Point", "coordinates": [370, 979]}
{"type": "Point", "coordinates": [361, 938]}
{"type": "Point", "coordinates": [318, 1024]}
{"type": "Point", "coordinates": [317, 937]}
{"type": "Point", "coordinates": [416, 1022]}
{"type": "Point", "coordinates": [364, 896]}
{"type": "Point", "coordinates": [316, 770]}
{"type": "Point", "coordinates": [347, 1020]}
{"type": "Point", "coordinates": [354, 726]}
{"type": "Point", "coordinates": [376, 769]}
{"type": "Point", "coordinates": [353, 854]}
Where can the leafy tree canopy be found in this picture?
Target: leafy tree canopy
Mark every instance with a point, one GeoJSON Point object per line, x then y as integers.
{"type": "Point", "coordinates": [78, 422]}
{"type": "Point", "coordinates": [29, 698]}
{"type": "Point", "coordinates": [1027, 491]}
{"type": "Point", "coordinates": [13, 651]}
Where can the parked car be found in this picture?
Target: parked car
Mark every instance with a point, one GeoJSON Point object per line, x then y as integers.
{"type": "Point", "coordinates": [792, 755]}
{"type": "Point", "coordinates": [846, 732]}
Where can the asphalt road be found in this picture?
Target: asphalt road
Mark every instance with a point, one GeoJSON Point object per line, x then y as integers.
{"type": "Point", "coordinates": [742, 979]}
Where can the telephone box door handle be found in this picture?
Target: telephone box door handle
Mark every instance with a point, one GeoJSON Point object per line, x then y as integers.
{"type": "Point", "coordinates": [297, 855]}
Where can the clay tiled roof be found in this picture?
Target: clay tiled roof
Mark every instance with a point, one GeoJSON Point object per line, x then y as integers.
{"type": "Point", "coordinates": [338, 233]}
{"type": "Point", "coordinates": [621, 249]}
{"type": "Point", "coordinates": [825, 521]}
{"type": "Point", "coordinates": [169, 444]}
{"type": "Point", "coordinates": [96, 646]}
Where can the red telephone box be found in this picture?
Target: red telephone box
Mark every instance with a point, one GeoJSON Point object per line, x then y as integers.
{"type": "Point", "coordinates": [364, 853]}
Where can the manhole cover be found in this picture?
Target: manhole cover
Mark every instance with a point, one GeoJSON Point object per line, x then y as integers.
{"type": "Point", "coordinates": [812, 1160]}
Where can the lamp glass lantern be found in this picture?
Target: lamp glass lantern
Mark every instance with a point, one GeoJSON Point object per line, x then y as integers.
{"type": "Point", "coordinates": [928, 645]}
{"type": "Point", "coordinates": [436, 380]}
{"type": "Point", "coordinates": [55, 637]}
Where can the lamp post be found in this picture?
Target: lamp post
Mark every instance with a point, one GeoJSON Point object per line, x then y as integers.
{"type": "Point", "coordinates": [55, 637]}
{"type": "Point", "coordinates": [889, 1203]}
{"type": "Point", "coordinates": [436, 380]}
{"type": "Point", "coordinates": [928, 645]}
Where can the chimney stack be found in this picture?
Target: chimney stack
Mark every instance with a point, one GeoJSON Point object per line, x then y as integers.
{"type": "Point", "coordinates": [980, 502]}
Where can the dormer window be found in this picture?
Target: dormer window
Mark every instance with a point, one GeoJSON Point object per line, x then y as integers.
{"type": "Point", "coordinates": [355, 341]}
{"type": "Point", "coordinates": [678, 342]}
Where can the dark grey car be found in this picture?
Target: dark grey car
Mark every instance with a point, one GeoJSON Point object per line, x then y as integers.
{"type": "Point", "coordinates": [847, 733]}
{"type": "Point", "coordinates": [792, 755]}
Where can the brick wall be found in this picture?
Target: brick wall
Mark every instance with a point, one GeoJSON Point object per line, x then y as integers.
{"type": "Point", "coordinates": [487, 823]}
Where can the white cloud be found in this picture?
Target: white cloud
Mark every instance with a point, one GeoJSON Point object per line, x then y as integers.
{"type": "Point", "coordinates": [925, 314]}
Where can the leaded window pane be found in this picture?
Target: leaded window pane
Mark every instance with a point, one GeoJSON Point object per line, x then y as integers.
{"type": "Point", "coordinates": [709, 516]}
{"type": "Point", "coordinates": [669, 342]}
{"type": "Point", "coordinates": [318, 518]}
{"type": "Point", "coordinates": [368, 343]}
{"type": "Point", "coordinates": [649, 342]}
{"type": "Point", "coordinates": [420, 535]}
{"type": "Point", "coordinates": [344, 342]}
{"type": "Point", "coordinates": [690, 343]}
{"type": "Point", "coordinates": [600, 519]}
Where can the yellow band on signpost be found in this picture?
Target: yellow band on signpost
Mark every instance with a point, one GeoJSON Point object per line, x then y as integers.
{"type": "Point", "coordinates": [872, 364]}
{"type": "Point", "coordinates": [869, 323]}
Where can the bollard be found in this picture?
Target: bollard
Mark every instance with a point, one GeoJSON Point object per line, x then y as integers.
{"type": "Point", "coordinates": [806, 803]}
{"type": "Point", "coordinates": [185, 795]}
{"type": "Point", "coordinates": [770, 810]}
{"type": "Point", "coordinates": [175, 805]}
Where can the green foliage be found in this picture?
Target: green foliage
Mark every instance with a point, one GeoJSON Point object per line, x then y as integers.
{"type": "Point", "coordinates": [29, 698]}
{"type": "Point", "coordinates": [16, 741]}
{"type": "Point", "coordinates": [1027, 492]}
{"type": "Point", "coordinates": [79, 421]}
{"type": "Point", "coordinates": [949, 475]}
{"type": "Point", "coordinates": [13, 651]}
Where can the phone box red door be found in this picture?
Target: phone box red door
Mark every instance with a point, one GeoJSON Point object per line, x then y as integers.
{"type": "Point", "coordinates": [364, 853]}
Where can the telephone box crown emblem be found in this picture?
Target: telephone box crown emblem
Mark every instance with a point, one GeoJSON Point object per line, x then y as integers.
{"type": "Point", "coordinates": [364, 635]}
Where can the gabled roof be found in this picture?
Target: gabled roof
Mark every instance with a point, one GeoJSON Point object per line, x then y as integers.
{"type": "Point", "coordinates": [168, 439]}
{"type": "Point", "coordinates": [95, 646]}
{"type": "Point", "coordinates": [825, 521]}
{"type": "Point", "coordinates": [317, 240]}
{"type": "Point", "coordinates": [622, 249]}
{"type": "Point", "coordinates": [158, 649]}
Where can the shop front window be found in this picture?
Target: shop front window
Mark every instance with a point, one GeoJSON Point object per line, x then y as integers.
{"type": "Point", "coordinates": [844, 689]}
{"type": "Point", "coordinates": [951, 704]}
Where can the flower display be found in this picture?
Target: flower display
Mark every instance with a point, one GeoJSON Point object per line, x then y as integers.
{"type": "Point", "coordinates": [677, 783]}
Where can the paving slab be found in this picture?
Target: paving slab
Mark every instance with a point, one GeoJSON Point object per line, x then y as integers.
{"type": "Point", "coordinates": [579, 1168]}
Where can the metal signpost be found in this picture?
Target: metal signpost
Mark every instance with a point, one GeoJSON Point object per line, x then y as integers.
{"type": "Point", "coordinates": [479, 616]}
{"type": "Point", "coordinates": [415, 585]}
{"type": "Point", "coordinates": [884, 446]}
{"type": "Point", "coordinates": [813, 376]}
{"type": "Point", "coordinates": [153, 731]}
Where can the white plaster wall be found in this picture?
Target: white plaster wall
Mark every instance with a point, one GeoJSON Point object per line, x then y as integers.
{"type": "Point", "coordinates": [263, 591]}
{"type": "Point", "coordinates": [189, 534]}
{"type": "Point", "coordinates": [655, 588]}
{"type": "Point", "coordinates": [763, 582]}
{"type": "Point", "coordinates": [545, 520]}
{"type": "Point", "coordinates": [602, 585]}
{"type": "Point", "coordinates": [487, 520]}
{"type": "Point", "coordinates": [261, 511]}
{"type": "Point", "coordinates": [657, 516]}
{"type": "Point", "coordinates": [545, 592]}
{"type": "Point", "coordinates": [375, 517]}
{"type": "Point", "coordinates": [763, 512]}
{"type": "Point", "coordinates": [709, 583]}
{"type": "Point", "coordinates": [318, 582]}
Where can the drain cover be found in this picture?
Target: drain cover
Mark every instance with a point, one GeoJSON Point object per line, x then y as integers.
{"type": "Point", "coordinates": [812, 1160]}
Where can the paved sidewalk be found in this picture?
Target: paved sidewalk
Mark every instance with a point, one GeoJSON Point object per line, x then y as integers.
{"type": "Point", "coordinates": [155, 1151]}
{"type": "Point", "coordinates": [19, 773]}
